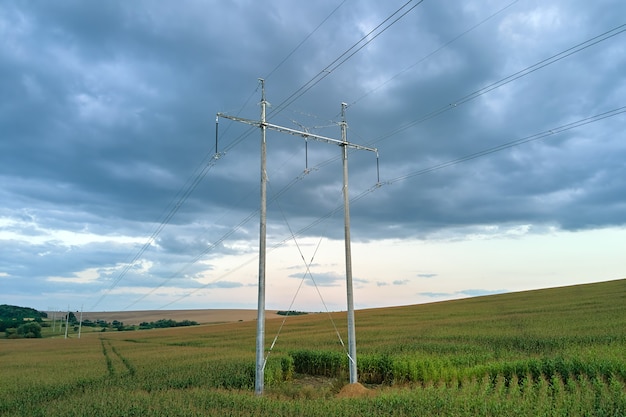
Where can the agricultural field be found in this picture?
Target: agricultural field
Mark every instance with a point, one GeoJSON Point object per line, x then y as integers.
{"type": "Point", "coordinates": [553, 352]}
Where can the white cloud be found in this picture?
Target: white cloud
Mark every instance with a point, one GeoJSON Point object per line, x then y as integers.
{"type": "Point", "coordinates": [87, 276]}
{"type": "Point", "coordinates": [34, 233]}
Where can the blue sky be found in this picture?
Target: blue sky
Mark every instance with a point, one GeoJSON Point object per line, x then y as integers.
{"type": "Point", "coordinates": [499, 125]}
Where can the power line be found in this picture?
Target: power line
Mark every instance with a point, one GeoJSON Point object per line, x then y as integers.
{"type": "Point", "coordinates": [187, 189]}
{"type": "Point", "coordinates": [445, 45]}
{"type": "Point", "coordinates": [534, 137]}
{"type": "Point", "coordinates": [528, 70]}
{"type": "Point", "coordinates": [217, 242]}
{"type": "Point", "coordinates": [517, 142]}
{"type": "Point", "coordinates": [555, 58]}
{"type": "Point", "coordinates": [304, 40]}
{"type": "Point", "coordinates": [307, 272]}
{"type": "Point", "coordinates": [331, 67]}
{"type": "Point", "coordinates": [184, 192]}
{"type": "Point", "coordinates": [255, 258]}
{"type": "Point", "coordinates": [490, 87]}
{"type": "Point", "coordinates": [506, 80]}
{"type": "Point", "coordinates": [348, 53]}
{"type": "Point", "coordinates": [248, 131]}
{"type": "Point", "coordinates": [180, 198]}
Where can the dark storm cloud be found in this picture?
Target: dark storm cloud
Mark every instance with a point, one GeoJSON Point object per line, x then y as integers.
{"type": "Point", "coordinates": [108, 115]}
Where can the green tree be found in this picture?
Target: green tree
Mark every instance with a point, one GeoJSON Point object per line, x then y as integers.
{"type": "Point", "coordinates": [29, 330]}
{"type": "Point", "coordinates": [72, 318]}
{"type": "Point", "coordinates": [9, 312]}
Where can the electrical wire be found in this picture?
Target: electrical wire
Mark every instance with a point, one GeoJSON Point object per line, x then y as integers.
{"type": "Point", "coordinates": [517, 142]}
{"type": "Point", "coordinates": [250, 129]}
{"type": "Point", "coordinates": [506, 80]}
{"type": "Point", "coordinates": [223, 238]}
{"type": "Point", "coordinates": [350, 52]}
{"type": "Point", "coordinates": [198, 257]}
{"type": "Point", "coordinates": [180, 198]}
{"type": "Point", "coordinates": [469, 157]}
{"type": "Point", "coordinates": [307, 272]}
{"type": "Point", "coordinates": [526, 71]}
{"type": "Point", "coordinates": [218, 242]}
{"type": "Point", "coordinates": [340, 60]}
{"type": "Point", "coordinates": [185, 192]}
{"type": "Point", "coordinates": [304, 40]}
{"type": "Point", "coordinates": [330, 67]}
{"type": "Point", "coordinates": [429, 55]}
{"type": "Point", "coordinates": [255, 258]}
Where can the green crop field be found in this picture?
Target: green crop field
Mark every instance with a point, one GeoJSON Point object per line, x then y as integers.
{"type": "Point", "coordinates": [554, 352]}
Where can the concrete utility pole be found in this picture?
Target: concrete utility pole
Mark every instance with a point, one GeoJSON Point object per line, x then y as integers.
{"type": "Point", "coordinates": [259, 379]}
{"type": "Point", "coordinates": [80, 322]}
{"type": "Point", "coordinates": [54, 318]}
{"type": "Point", "coordinates": [67, 320]}
{"type": "Point", "coordinates": [346, 218]}
{"type": "Point", "coordinates": [345, 145]}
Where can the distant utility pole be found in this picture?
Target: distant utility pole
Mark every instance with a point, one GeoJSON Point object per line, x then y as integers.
{"type": "Point", "coordinates": [80, 323]}
{"type": "Point", "coordinates": [67, 320]}
{"type": "Point", "coordinates": [53, 318]}
{"type": "Point", "coordinates": [263, 125]}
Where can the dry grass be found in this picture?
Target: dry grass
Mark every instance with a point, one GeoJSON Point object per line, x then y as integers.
{"type": "Point", "coordinates": [201, 316]}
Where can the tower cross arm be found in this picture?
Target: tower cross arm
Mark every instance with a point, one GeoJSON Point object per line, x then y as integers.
{"type": "Point", "coordinates": [320, 138]}
{"type": "Point", "coordinates": [240, 119]}
{"type": "Point", "coordinates": [296, 132]}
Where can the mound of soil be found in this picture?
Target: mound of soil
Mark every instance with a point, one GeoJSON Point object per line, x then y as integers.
{"type": "Point", "coordinates": [354, 391]}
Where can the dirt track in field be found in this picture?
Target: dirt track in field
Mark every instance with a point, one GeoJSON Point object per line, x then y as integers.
{"type": "Point", "coordinates": [201, 316]}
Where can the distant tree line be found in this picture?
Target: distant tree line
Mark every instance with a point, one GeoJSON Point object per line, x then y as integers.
{"type": "Point", "coordinates": [120, 326]}
{"type": "Point", "coordinates": [21, 322]}
{"type": "Point", "coordinates": [24, 322]}
{"type": "Point", "coordinates": [164, 323]}
{"type": "Point", "coordinates": [291, 313]}
{"type": "Point", "coordinates": [8, 312]}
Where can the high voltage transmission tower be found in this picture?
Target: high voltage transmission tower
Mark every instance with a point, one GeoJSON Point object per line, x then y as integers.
{"type": "Point", "coordinates": [345, 145]}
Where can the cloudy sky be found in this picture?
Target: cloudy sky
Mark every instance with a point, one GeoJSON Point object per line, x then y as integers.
{"type": "Point", "coordinates": [500, 128]}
